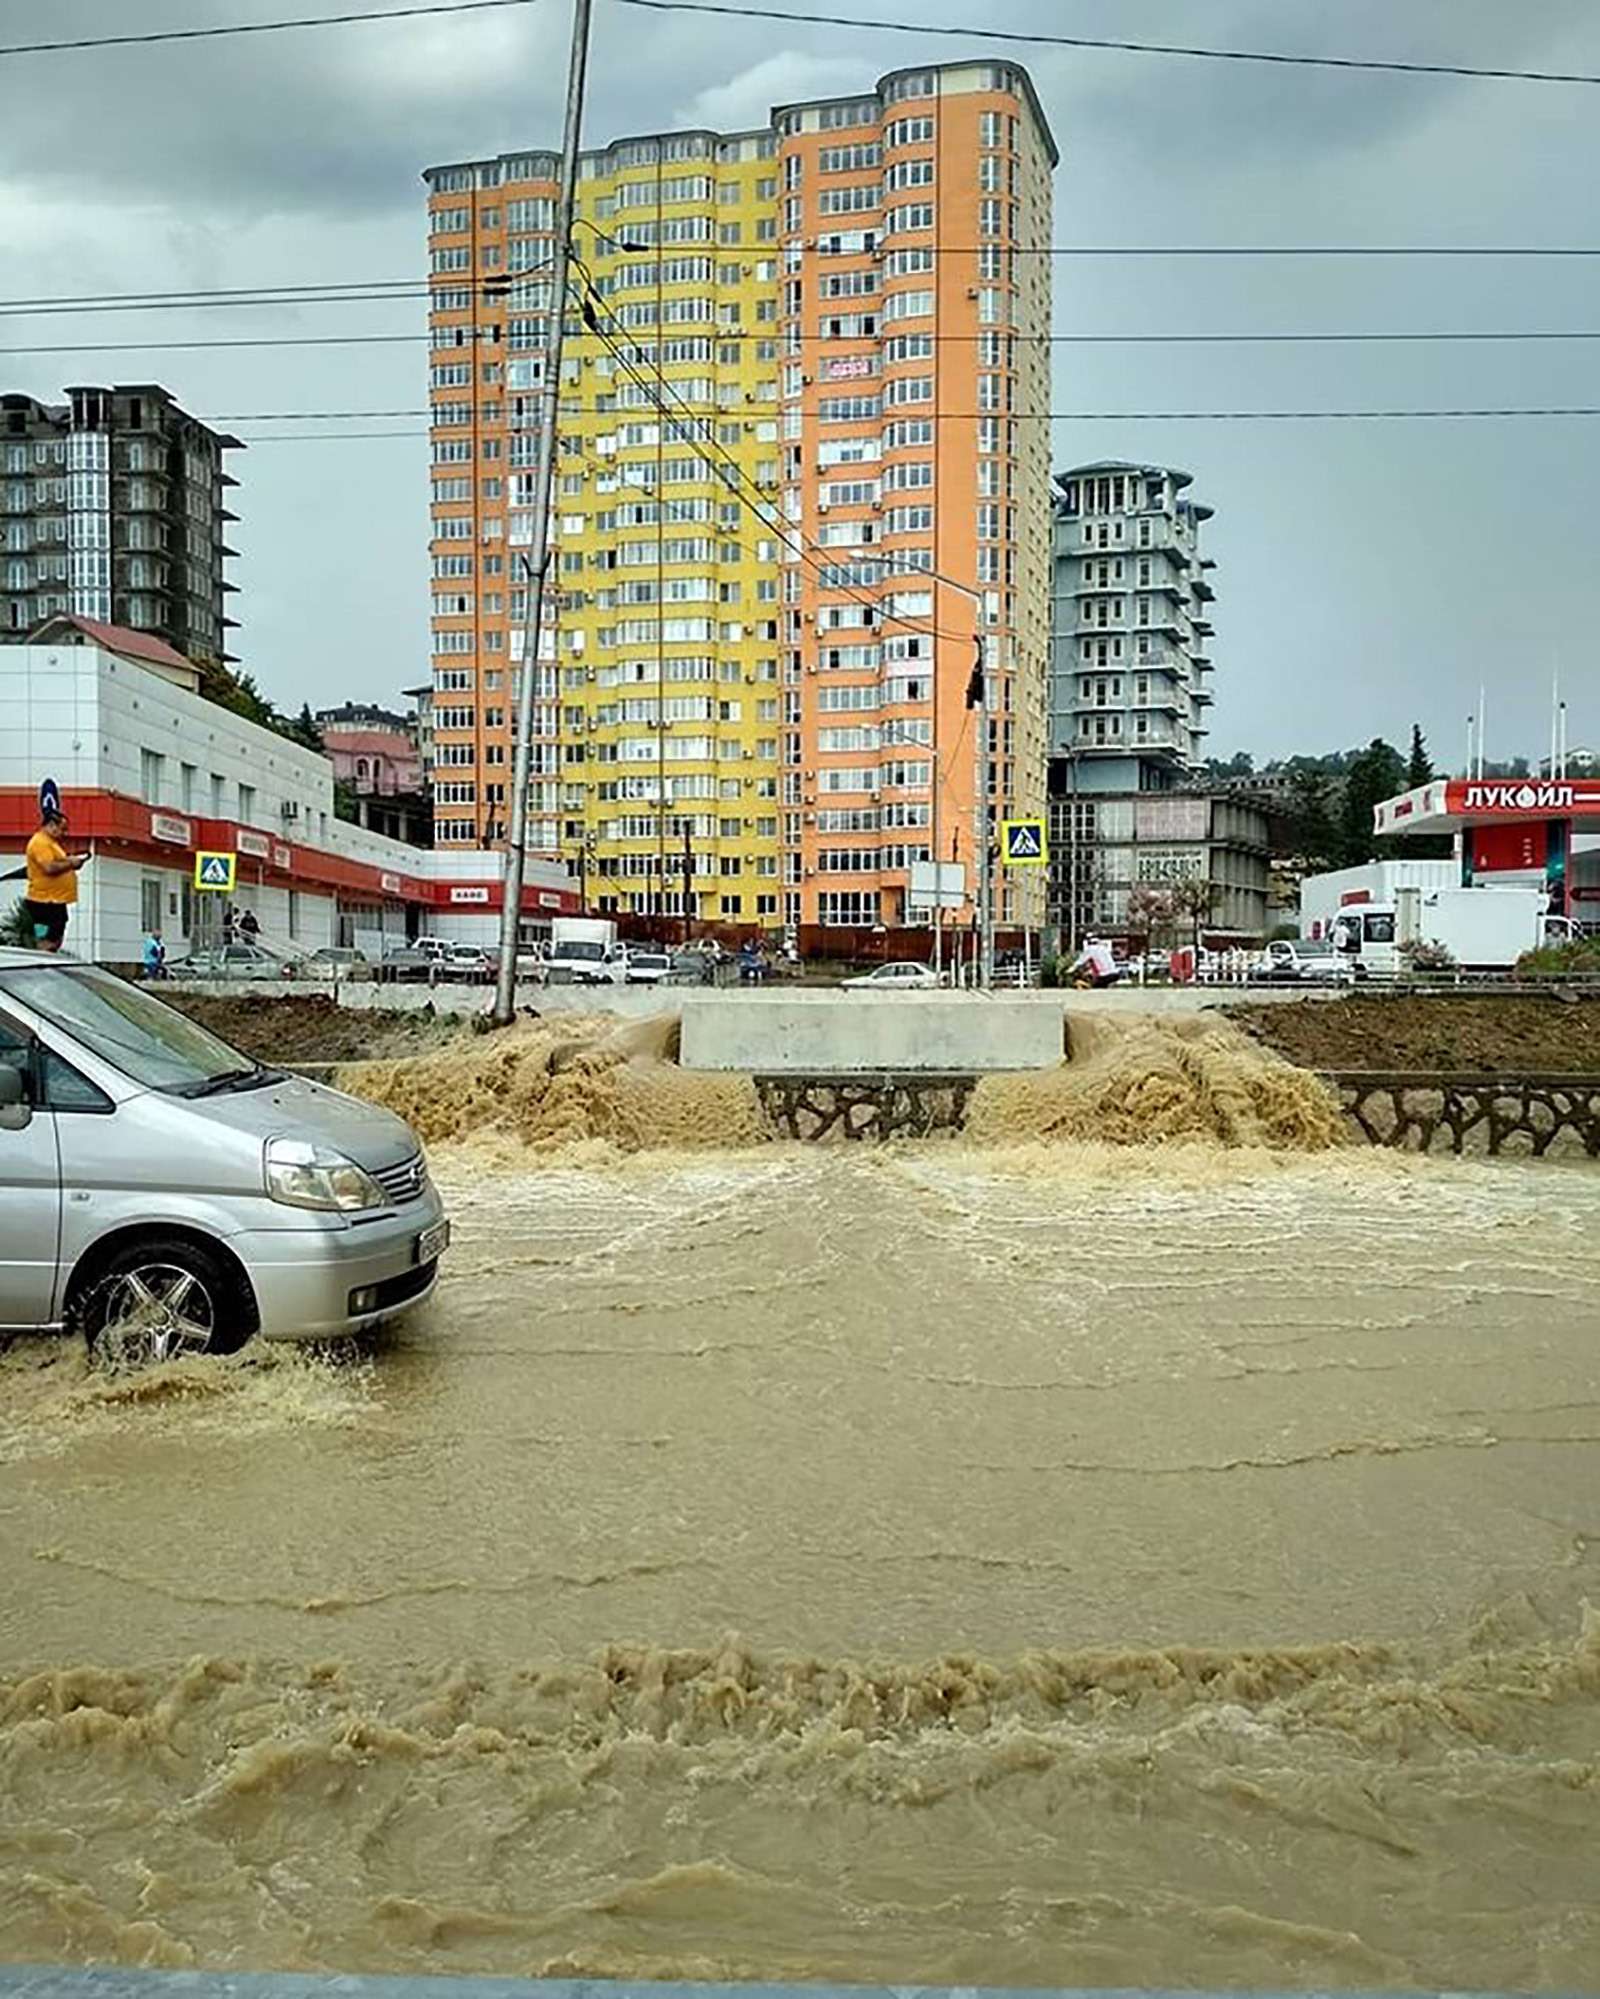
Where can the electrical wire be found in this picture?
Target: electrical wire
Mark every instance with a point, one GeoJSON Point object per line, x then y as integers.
{"type": "Point", "coordinates": [145, 40]}
{"type": "Point", "coordinates": [1037, 39]}
{"type": "Point", "coordinates": [943, 767]}
{"type": "Point", "coordinates": [916, 413]}
{"type": "Point", "coordinates": [491, 287]}
{"type": "Point", "coordinates": [763, 510]}
{"type": "Point", "coordinates": [1445, 337]}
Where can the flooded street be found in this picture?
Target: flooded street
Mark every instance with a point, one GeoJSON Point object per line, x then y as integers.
{"type": "Point", "coordinates": [1045, 1565]}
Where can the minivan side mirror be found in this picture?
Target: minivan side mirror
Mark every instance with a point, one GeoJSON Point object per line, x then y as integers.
{"type": "Point", "coordinates": [16, 1113]}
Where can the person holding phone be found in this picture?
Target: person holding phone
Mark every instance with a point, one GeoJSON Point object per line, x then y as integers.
{"type": "Point", "coordinates": [52, 882]}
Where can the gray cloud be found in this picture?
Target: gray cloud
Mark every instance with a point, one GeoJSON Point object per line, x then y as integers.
{"type": "Point", "coordinates": [1369, 574]}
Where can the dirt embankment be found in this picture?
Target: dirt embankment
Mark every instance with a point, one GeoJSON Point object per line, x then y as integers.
{"type": "Point", "coordinates": [1481, 1036]}
{"type": "Point", "coordinates": [310, 1027]}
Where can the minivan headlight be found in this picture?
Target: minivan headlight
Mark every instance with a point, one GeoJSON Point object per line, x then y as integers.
{"type": "Point", "coordinates": [317, 1176]}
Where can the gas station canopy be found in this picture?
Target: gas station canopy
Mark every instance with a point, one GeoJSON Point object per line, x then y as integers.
{"type": "Point", "coordinates": [1450, 803]}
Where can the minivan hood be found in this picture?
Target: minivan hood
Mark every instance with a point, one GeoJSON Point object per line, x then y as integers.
{"type": "Point", "coordinates": [295, 1108]}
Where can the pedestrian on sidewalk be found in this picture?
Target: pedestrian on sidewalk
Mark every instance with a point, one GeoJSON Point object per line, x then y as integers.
{"type": "Point", "coordinates": [52, 882]}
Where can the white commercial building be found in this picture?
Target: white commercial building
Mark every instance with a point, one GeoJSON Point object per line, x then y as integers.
{"type": "Point", "coordinates": [152, 773]}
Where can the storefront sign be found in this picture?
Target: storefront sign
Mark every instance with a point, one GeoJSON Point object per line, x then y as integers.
{"type": "Point", "coordinates": [176, 832]}
{"type": "Point", "coordinates": [257, 845]}
{"type": "Point", "coordinates": [469, 895]}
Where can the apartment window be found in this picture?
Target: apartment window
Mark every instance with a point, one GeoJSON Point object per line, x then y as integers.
{"type": "Point", "coordinates": [907, 174]}
{"type": "Point", "coordinates": [853, 908]}
{"type": "Point", "coordinates": [247, 805]}
{"type": "Point", "coordinates": [152, 768]}
{"type": "Point", "coordinates": [848, 200]}
{"type": "Point", "coordinates": [847, 159]}
{"type": "Point", "coordinates": [834, 117]}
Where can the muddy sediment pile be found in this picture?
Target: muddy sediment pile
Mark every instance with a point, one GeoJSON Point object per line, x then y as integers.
{"type": "Point", "coordinates": [1129, 1081]}
{"type": "Point", "coordinates": [1481, 1035]}
{"type": "Point", "coordinates": [312, 1027]}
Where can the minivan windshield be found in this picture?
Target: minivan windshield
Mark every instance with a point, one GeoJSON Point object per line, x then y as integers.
{"type": "Point", "coordinates": [150, 1043]}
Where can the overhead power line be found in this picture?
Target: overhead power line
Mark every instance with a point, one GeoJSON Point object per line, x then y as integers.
{"type": "Point", "coordinates": [989, 33]}
{"type": "Point", "coordinates": [1038, 416]}
{"type": "Point", "coordinates": [1445, 336]}
{"type": "Point", "coordinates": [153, 35]}
{"type": "Point", "coordinates": [378, 291]}
{"type": "Point", "coordinates": [861, 23]}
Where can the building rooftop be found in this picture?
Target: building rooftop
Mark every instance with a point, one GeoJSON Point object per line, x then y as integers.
{"type": "Point", "coordinates": [68, 628]}
{"type": "Point", "coordinates": [1141, 469]}
{"type": "Point", "coordinates": [1024, 84]}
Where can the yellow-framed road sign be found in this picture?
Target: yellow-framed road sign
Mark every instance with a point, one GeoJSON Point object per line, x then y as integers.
{"type": "Point", "coordinates": [218, 872]}
{"type": "Point", "coordinates": [1023, 843]}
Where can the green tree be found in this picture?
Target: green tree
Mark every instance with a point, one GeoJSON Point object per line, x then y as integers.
{"type": "Point", "coordinates": [1194, 899]}
{"type": "Point", "coordinates": [304, 729]}
{"type": "Point", "coordinates": [1375, 773]}
{"type": "Point", "coordinates": [1310, 803]}
{"type": "Point", "coordinates": [1419, 767]}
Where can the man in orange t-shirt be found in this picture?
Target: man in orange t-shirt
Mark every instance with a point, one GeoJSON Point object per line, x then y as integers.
{"type": "Point", "coordinates": [52, 883]}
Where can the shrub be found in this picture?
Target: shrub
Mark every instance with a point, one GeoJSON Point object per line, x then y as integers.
{"type": "Point", "coordinates": [1578, 959]}
{"type": "Point", "coordinates": [15, 928]}
{"type": "Point", "coordinates": [1423, 954]}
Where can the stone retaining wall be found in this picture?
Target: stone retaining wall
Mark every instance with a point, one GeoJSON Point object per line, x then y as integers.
{"type": "Point", "coordinates": [865, 1107]}
{"type": "Point", "coordinates": [1540, 1116]}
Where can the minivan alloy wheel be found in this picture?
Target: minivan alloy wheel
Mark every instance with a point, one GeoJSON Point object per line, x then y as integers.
{"type": "Point", "coordinates": [155, 1312]}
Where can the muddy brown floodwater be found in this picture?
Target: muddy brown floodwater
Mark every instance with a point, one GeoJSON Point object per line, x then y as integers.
{"type": "Point", "coordinates": [1051, 1564]}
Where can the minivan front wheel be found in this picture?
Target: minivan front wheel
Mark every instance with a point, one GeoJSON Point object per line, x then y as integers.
{"type": "Point", "coordinates": [162, 1299]}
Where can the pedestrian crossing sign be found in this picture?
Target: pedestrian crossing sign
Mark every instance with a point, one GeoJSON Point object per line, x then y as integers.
{"type": "Point", "coordinates": [1023, 843]}
{"type": "Point", "coordinates": [216, 871]}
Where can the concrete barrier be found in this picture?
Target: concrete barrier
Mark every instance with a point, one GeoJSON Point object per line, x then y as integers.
{"type": "Point", "coordinates": [865, 1033]}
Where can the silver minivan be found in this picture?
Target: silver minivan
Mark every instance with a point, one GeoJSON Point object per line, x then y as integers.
{"type": "Point", "coordinates": [165, 1195]}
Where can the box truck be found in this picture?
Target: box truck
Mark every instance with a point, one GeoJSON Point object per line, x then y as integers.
{"type": "Point", "coordinates": [584, 952]}
{"type": "Point", "coordinates": [1483, 929]}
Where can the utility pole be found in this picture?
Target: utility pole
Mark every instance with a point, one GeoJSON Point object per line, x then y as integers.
{"type": "Point", "coordinates": [688, 879]}
{"type": "Point", "coordinates": [505, 997]}
{"type": "Point", "coordinates": [978, 702]}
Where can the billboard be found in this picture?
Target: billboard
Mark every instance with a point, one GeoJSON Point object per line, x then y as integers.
{"type": "Point", "coordinates": [951, 889]}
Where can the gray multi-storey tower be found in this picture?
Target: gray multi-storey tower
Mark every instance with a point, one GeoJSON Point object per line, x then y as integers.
{"type": "Point", "coordinates": [1131, 616]}
{"type": "Point", "coordinates": [1128, 700]}
{"type": "Point", "coordinates": [113, 506]}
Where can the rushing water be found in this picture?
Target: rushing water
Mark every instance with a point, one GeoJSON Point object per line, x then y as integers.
{"type": "Point", "coordinates": [1050, 1565]}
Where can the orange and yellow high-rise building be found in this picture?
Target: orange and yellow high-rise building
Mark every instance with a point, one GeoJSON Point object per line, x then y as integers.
{"type": "Point", "coordinates": [766, 605]}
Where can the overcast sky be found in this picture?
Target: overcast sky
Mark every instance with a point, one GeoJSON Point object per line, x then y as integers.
{"type": "Point", "coordinates": [1369, 574]}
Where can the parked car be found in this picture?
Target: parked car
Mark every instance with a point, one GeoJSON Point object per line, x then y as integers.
{"type": "Point", "coordinates": [467, 962]}
{"type": "Point", "coordinates": [901, 977]}
{"type": "Point", "coordinates": [649, 968]}
{"type": "Point", "coordinates": [233, 961]}
{"type": "Point", "coordinates": [406, 962]}
{"type": "Point", "coordinates": [1312, 961]}
{"type": "Point", "coordinates": [165, 1195]}
{"type": "Point", "coordinates": [336, 962]}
